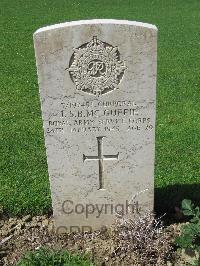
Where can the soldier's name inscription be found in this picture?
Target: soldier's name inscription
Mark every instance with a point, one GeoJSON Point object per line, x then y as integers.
{"type": "Point", "coordinates": [91, 116]}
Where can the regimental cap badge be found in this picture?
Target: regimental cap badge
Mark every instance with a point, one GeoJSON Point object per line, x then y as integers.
{"type": "Point", "coordinates": [95, 67]}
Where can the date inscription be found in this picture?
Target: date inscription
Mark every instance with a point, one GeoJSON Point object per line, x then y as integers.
{"type": "Point", "coordinates": [80, 117]}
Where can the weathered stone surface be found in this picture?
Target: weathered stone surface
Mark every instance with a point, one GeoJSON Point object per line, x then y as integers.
{"type": "Point", "coordinates": [97, 84]}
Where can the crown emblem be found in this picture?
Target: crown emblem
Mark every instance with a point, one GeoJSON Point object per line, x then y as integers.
{"type": "Point", "coordinates": [95, 67]}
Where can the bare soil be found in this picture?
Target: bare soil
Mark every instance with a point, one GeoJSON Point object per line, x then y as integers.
{"type": "Point", "coordinates": [30, 233]}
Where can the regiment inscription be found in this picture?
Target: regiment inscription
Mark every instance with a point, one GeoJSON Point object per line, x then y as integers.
{"type": "Point", "coordinates": [104, 116]}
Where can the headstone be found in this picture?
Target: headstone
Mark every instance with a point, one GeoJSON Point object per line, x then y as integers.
{"type": "Point", "coordinates": [97, 82]}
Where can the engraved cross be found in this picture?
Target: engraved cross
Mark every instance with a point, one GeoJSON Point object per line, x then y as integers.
{"type": "Point", "coordinates": [101, 158]}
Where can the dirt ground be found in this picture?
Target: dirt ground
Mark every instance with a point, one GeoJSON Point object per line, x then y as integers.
{"type": "Point", "coordinates": [106, 247]}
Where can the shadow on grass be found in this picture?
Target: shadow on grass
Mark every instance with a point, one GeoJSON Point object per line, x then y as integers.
{"type": "Point", "coordinates": [167, 198]}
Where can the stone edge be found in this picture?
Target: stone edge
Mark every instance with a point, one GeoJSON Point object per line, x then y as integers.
{"type": "Point", "coordinates": [93, 22]}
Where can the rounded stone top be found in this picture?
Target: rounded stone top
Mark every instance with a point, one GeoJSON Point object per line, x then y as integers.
{"type": "Point", "coordinates": [98, 22]}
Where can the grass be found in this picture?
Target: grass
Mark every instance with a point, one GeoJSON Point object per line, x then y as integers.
{"type": "Point", "coordinates": [24, 186]}
{"type": "Point", "coordinates": [44, 257]}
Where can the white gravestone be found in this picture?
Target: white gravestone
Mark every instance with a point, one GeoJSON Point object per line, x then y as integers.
{"type": "Point", "coordinates": [97, 82]}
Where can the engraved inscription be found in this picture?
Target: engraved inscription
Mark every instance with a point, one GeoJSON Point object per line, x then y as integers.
{"type": "Point", "coordinates": [95, 67]}
{"type": "Point", "coordinates": [101, 158]}
{"type": "Point", "coordinates": [101, 117]}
